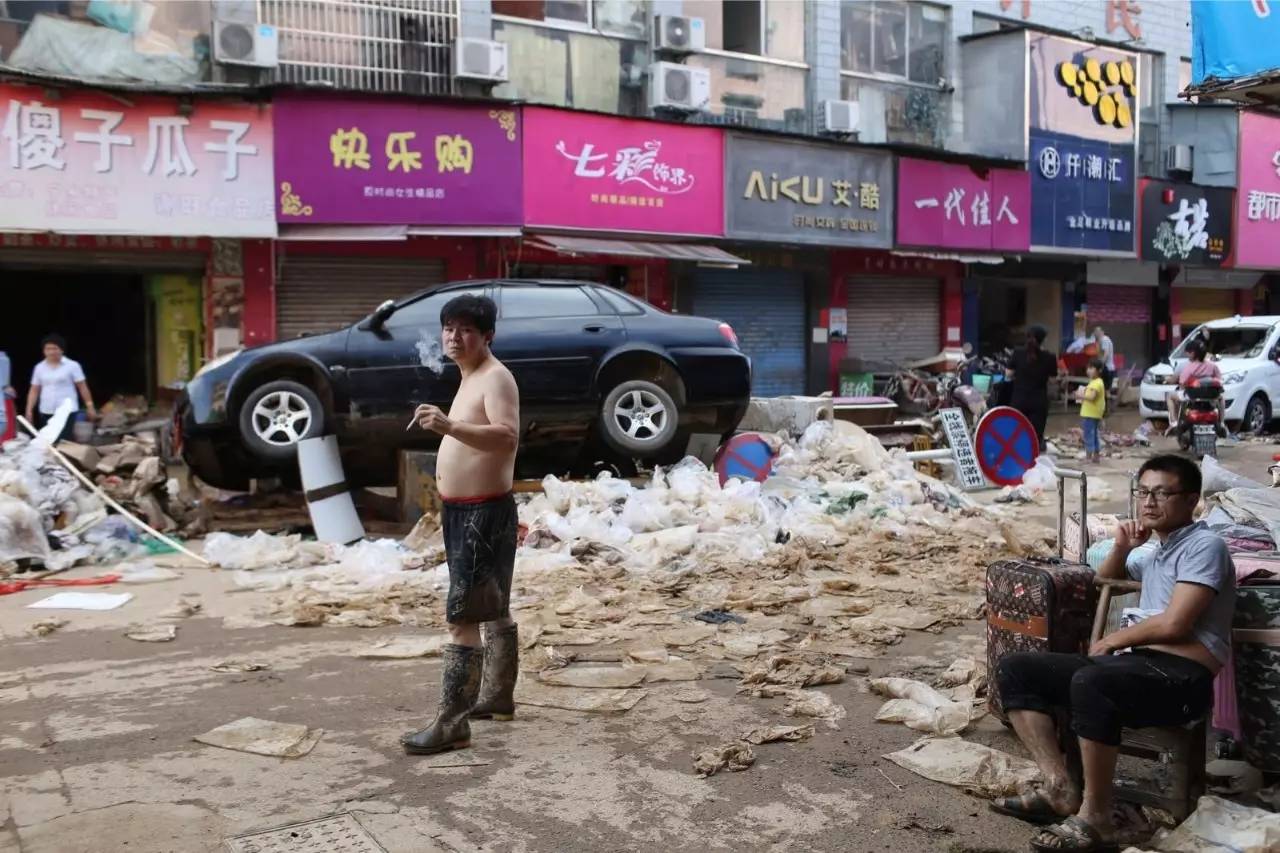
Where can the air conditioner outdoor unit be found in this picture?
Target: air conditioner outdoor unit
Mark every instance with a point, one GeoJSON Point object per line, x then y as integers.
{"type": "Point", "coordinates": [481, 59]}
{"type": "Point", "coordinates": [1177, 158]}
{"type": "Point", "coordinates": [840, 116]}
{"type": "Point", "coordinates": [673, 34]}
{"type": "Point", "coordinates": [679, 87]}
{"type": "Point", "coordinates": [239, 43]}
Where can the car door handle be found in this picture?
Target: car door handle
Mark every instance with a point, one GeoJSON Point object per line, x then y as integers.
{"type": "Point", "coordinates": [594, 327]}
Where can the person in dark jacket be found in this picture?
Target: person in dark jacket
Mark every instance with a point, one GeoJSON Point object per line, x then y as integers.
{"type": "Point", "coordinates": [1029, 376]}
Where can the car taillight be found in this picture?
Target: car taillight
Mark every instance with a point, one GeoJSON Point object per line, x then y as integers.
{"type": "Point", "coordinates": [727, 331]}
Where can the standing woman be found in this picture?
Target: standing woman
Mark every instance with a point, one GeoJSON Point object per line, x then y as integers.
{"type": "Point", "coordinates": [1029, 377]}
{"type": "Point", "coordinates": [8, 417]}
{"type": "Point", "coordinates": [54, 380]}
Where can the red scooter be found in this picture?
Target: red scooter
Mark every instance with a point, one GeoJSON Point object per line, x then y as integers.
{"type": "Point", "coordinates": [1200, 417]}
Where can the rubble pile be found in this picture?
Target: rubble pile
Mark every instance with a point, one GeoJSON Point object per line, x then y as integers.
{"type": "Point", "coordinates": [48, 517]}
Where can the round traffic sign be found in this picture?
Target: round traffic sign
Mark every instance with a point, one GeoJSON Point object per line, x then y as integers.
{"type": "Point", "coordinates": [1007, 445]}
{"type": "Point", "coordinates": [746, 456]}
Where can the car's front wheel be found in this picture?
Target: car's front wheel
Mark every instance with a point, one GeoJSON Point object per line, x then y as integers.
{"type": "Point", "coordinates": [1256, 415]}
{"type": "Point", "coordinates": [639, 418]}
{"type": "Point", "coordinates": [278, 415]}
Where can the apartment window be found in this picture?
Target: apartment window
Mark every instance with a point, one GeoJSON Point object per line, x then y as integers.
{"type": "Point", "coordinates": [1150, 85]}
{"type": "Point", "coordinates": [771, 28]}
{"type": "Point", "coordinates": [893, 39]}
{"type": "Point", "coordinates": [616, 17]}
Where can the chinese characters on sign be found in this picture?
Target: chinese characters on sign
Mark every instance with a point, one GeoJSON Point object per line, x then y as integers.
{"type": "Point", "coordinates": [1071, 208]}
{"type": "Point", "coordinates": [584, 171]}
{"type": "Point", "coordinates": [342, 160]}
{"type": "Point", "coordinates": [1120, 13]}
{"type": "Point", "coordinates": [954, 206]}
{"type": "Point", "coordinates": [90, 163]}
{"type": "Point", "coordinates": [1185, 224]}
{"type": "Point", "coordinates": [797, 192]}
{"type": "Point", "coordinates": [1257, 214]}
{"type": "Point", "coordinates": [962, 451]}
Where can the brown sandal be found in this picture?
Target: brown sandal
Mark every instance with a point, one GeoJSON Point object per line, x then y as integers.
{"type": "Point", "coordinates": [1074, 835]}
{"type": "Point", "coordinates": [1033, 807]}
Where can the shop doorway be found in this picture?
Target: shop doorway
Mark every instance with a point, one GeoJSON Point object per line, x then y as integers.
{"type": "Point", "coordinates": [1007, 307]}
{"type": "Point", "coordinates": [105, 318]}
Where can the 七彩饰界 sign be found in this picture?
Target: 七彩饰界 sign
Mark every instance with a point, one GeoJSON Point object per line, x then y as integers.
{"type": "Point", "coordinates": [89, 163]}
{"type": "Point", "coordinates": [363, 161]}
{"type": "Point", "coordinates": [606, 173]}
{"type": "Point", "coordinates": [794, 191]}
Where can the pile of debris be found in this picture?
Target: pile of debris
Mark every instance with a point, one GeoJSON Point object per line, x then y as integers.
{"type": "Point", "coordinates": [48, 518]}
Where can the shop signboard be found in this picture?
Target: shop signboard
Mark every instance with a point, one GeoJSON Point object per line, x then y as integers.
{"type": "Point", "coordinates": [1083, 136]}
{"type": "Point", "coordinates": [370, 161]}
{"type": "Point", "coordinates": [956, 206]}
{"type": "Point", "coordinates": [604, 173]}
{"type": "Point", "coordinates": [1185, 224]}
{"type": "Point", "coordinates": [143, 165]}
{"type": "Point", "coordinates": [800, 192]}
{"type": "Point", "coordinates": [1258, 196]}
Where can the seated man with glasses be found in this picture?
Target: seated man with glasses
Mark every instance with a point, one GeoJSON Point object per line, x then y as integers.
{"type": "Point", "coordinates": [1157, 672]}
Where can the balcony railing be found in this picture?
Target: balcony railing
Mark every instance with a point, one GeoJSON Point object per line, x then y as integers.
{"type": "Point", "coordinates": [366, 45]}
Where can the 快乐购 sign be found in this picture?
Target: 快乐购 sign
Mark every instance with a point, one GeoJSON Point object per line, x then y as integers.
{"type": "Point", "coordinates": [607, 173]}
{"type": "Point", "coordinates": [795, 191]}
{"type": "Point", "coordinates": [955, 206]}
{"type": "Point", "coordinates": [370, 161]}
{"type": "Point", "coordinates": [91, 163]}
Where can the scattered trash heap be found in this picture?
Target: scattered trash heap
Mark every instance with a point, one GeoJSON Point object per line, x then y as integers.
{"type": "Point", "coordinates": [49, 520]}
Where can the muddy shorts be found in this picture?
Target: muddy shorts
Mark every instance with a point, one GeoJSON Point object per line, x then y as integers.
{"type": "Point", "coordinates": [480, 545]}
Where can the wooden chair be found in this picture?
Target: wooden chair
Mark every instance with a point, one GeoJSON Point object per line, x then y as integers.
{"type": "Point", "coordinates": [1180, 748]}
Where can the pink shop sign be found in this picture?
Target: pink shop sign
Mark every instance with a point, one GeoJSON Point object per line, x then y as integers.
{"type": "Point", "coordinates": [955, 206]}
{"type": "Point", "coordinates": [617, 174]}
{"type": "Point", "coordinates": [1258, 197]}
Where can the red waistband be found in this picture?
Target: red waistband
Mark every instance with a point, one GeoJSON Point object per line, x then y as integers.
{"type": "Point", "coordinates": [479, 499]}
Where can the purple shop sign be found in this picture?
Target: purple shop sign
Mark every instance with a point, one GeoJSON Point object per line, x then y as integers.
{"type": "Point", "coordinates": [385, 162]}
{"type": "Point", "coordinates": [954, 206]}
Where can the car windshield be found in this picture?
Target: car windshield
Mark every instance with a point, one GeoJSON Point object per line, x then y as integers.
{"type": "Point", "coordinates": [1236, 342]}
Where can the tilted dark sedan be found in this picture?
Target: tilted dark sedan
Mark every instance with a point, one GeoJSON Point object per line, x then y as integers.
{"type": "Point", "coordinates": [598, 371]}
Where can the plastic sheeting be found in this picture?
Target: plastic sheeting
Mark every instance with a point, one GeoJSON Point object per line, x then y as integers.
{"type": "Point", "coordinates": [76, 49]}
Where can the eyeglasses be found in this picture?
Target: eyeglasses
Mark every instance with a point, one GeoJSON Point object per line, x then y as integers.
{"type": "Point", "coordinates": [1160, 495]}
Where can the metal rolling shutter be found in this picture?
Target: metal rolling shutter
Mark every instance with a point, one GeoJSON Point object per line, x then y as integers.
{"type": "Point", "coordinates": [1201, 304]}
{"type": "Point", "coordinates": [767, 312]}
{"type": "Point", "coordinates": [893, 320]}
{"type": "Point", "coordinates": [319, 294]}
{"type": "Point", "coordinates": [1118, 304]}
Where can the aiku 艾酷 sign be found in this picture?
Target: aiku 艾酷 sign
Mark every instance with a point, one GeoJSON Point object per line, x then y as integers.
{"type": "Point", "coordinates": [88, 163]}
{"type": "Point", "coordinates": [955, 206]}
{"type": "Point", "coordinates": [389, 162]}
{"type": "Point", "coordinates": [617, 174]}
{"type": "Point", "coordinates": [1258, 192]}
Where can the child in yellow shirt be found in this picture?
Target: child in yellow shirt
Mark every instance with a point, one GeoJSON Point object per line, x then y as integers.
{"type": "Point", "coordinates": [1093, 405]}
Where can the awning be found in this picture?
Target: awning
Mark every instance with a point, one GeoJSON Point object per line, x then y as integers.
{"type": "Point", "coordinates": [375, 233]}
{"type": "Point", "coordinates": [1217, 279]}
{"type": "Point", "coordinates": [699, 253]}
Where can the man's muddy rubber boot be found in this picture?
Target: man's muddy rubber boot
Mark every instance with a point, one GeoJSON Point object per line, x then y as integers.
{"type": "Point", "coordinates": [459, 687]}
{"type": "Point", "coordinates": [501, 667]}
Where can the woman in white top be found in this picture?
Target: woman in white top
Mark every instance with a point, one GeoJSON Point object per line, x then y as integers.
{"type": "Point", "coordinates": [54, 380]}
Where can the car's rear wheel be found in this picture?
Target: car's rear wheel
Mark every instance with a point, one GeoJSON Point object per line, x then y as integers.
{"type": "Point", "coordinates": [278, 415]}
{"type": "Point", "coordinates": [639, 418]}
{"type": "Point", "coordinates": [1256, 416]}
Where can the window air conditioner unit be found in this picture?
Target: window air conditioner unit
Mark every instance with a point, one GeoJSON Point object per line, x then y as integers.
{"type": "Point", "coordinates": [481, 59]}
{"type": "Point", "coordinates": [673, 34]}
{"type": "Point", "coordinates": [840, 117]}
{"type": "Point", "coordinates": [1177, 158]}
{"type": "Point", "coordinates": [238, 43]}
{"type": "Point", "coordinates": [679, 87]}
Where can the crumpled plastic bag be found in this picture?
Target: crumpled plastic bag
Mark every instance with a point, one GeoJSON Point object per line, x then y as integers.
{"type": "Point", "coordinates": [735, 756]}
{"type": "Point", "coordinates": [22, 535]}
{"type": "Point", "coordinates": [919, 707]}
{"type": "Point", "coordinates": [1040, 477]}
{"type": "Point", "coordinates": [1216, 478]}
{"type": "Point", "coordinates": [1219, 825]}
{"type": "Point", "coordinates": [980, 769]}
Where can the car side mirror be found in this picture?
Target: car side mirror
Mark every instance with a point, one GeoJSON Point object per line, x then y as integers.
{"type": "Point", "coordinates": [379, 316]}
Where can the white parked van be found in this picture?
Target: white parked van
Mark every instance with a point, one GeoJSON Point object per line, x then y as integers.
{"type": "Point", "coordinates": [1246, 351]}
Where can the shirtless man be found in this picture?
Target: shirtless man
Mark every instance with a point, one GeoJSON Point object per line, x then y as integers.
{"type": "Point", "coordinates": [1158, 671]}
{"type": "Point", "coordinates": [473, 471]}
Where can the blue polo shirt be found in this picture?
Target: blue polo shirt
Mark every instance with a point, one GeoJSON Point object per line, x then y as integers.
{"type": "Point", "coordinates": [1192, 554]}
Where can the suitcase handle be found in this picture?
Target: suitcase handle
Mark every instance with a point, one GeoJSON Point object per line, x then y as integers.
{"type": "Point", "coordinates": [1064, 474]}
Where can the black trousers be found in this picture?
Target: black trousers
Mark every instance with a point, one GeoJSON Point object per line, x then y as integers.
{"type": "Point", "coordinates": [67, 431]}
{"type": "Point", "coordinates": [1036, 411]}
{"type": "Point", "coordinates": [1137, 690]}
